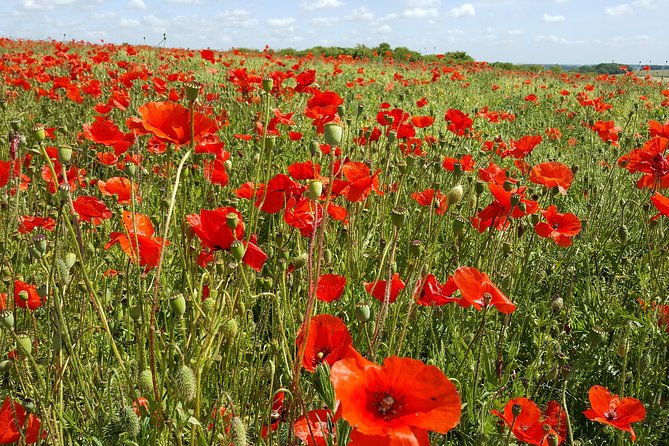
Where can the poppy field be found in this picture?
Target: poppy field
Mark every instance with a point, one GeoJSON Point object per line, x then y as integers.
{"type": "Point", "coordinates": [232, 248]}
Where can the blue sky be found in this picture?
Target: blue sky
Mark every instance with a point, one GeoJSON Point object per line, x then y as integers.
{"type": "Point", "coordinates": [519, 31]}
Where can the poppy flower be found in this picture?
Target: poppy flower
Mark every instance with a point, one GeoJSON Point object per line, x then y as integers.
{"type": "Point", "coordinates": [276, 415]}
{"type": "Point", "coordinates": [426, 197]}
{"type": "Point", "coordinates": [138, 237]}
{"type": "Point", "coordinates": [121, 187]}
{"type": "Point", "coordinates": [378, 289]}
{"type": "Point", "coordinates": [105, 132]}
{"type": "Point", "coordinates": [458, 122]}
{"type": "Point", "coordinates": [330, 287]}
{"type": "Point", "coordinates": [552, 174]}
{"type": "Point", "coordinates": [91, 209]}
{"type": "Point", "coordinates": [506, 204]}
{"type": "Point", "coordinates": [559, 227]}
{"type": "Point", "coordinates": [477, 289]}
{"type": "Point", "coordinates": [466, 163]}
{"type": "Point", "coordinates": [616, 412]}
{"type": "Point", "coordinates": [396, 403]}
{"type": "Point", "coordinates": [430, 292]}
{"type": "Point", "coordinates": [322, 108]}
{"type": "Point", "coordinates": [529, 423]}
{"type": "Point", "coordinates": [522, 147]}
{"type": "Point", "coordinates": [328, 341]}
{"type": "Point", "coordinates": [607, 131]}
{"type": "Point", "coordinates": [170, 122]}
{"type": "Point", "coordinates": [661, 203]}
{"type": "Point", "coordinates": [14, 420]}
{"type": "Point", "coordinates": [359, 183]}
{"type": "Point", "coordinates": [313, 428]}
{"type": "Point", "coordinates": [26, 295]}
{"type": "Point", "coordinates": [28, 224]}
{"type": "Point", "coordinates": [304, 215]}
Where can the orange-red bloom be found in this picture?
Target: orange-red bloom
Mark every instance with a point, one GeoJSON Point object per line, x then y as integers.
{"type": "Point", "coordinates": [528, 425]}
{"type": "Point", "coordinates": [14, 420]}
{"type": "Point", "coordinates": [559, 227]}
{"type": "Point", "coordinates": [91, 209]}
{"type": "Point", "coordinates": [396, 403]}
{"type": "Point", "coordinates": [661, 203]}
{"type": "Point", "coordinates": [616, 412]}
{"type": "Point", "coordinates": [552, 174]}
{"type": "Point", "coordinates": [139, 234]}
{"type": "Point", "coordinates": [26, 295]}
{"type": "Point", "coordinates": [170, 122]}
{"type": "Point", "coordinates": [328, 341]}
{"type": "Point", "coordinates": [121, 187]}
{"type": "Point", "coordinates": [378, 289]}
{"type": "Point", "coordinates": [313, 428]}
{"type": "Point", "coordinates": [477, 290]}
{"type": "Point", "coordinates": [330, 287]}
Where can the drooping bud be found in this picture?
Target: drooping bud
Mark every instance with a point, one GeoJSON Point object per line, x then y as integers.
{"type": "Point", "coordinates": [362, 312]}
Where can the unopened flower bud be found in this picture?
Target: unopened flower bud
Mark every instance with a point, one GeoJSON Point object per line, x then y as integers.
{"type": "Point", "coordinates": [455, 195]}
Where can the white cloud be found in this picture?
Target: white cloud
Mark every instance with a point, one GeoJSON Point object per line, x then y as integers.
{"type": "Point", "coordinates": [553, 18]}
{"type": "Point", "coordinates": [418, 13]}
{"type": "Point", "coordinates": [184, 2]}
{"type": "Point", "coordinates": [137, 4]}
{"type": "Point", "coordinates": [152, 20]}
{"type": "Point", "coordinates": [129, 23]}
{"type": "Point", "coordinates": [552, 39]}
{"type": "Point", "coordinates": [454, 32]}
{"type": "Point", "coordinates": [236, 18]}
{"type": "Point", "coordinates": [466, 9]}
{"type": "Point", "coordinates": [361, 13]}
{"type": "Point", "coordinates": [320, 4]}
{"type": "Point", "coordinates": [619, 10]}
{"type": "Point", "coordinates": [324, 21]}
{"type": "Point", "coordinates": [383, 29]}
{"type": "Point", "coordinates": [423, 3]}
{"type": "Point", "coordinates": [281, 23]}
{"type": "Point", "coordinates": [516, 32]}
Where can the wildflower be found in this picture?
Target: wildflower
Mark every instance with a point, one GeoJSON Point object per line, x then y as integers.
{"type": "Point", "coordinates": [559, 227]}
{"type": "Point", "coordinates": [328, 341]}
{"type": "Point", "coordinates": [616, 412]}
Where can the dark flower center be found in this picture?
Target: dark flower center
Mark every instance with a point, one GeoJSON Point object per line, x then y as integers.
{"type": "Point", "coordinates": [386, 405]}
{"type": "Point", "coordinates": [610, 414]}
{"type": "Point", "coordinates": [556, 226]}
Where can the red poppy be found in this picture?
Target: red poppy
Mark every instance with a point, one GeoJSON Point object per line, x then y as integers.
{"type": "Point", "coordinates": [91, 209]}
{"type": "Point", "coordinates": [529, 423]}
{"type": "Point", "coordinates": [607, 131]}
{"type": "Point", "coordinates": [330, 287]}
{"type": "Point", "coordinates": [661, 203]}
{"type": "Point", "coordinates": [322, 108]}
{"type": "Point", "coordinates": [121, 187]}
{"type": "Point", "coordinates": [466, 163]}
{"type": "Point", "coordinates": [329, 341]}
{"type": "Point", "coordinates": [28, 223]}
{"type": "Point", "coordinates": [430, 292]}
{"type": "Point", "coordinates": [458, 122]}
{"type": "Point", "coordinates": [304, 171]}
{"type": "Point", "coordinates": [494, 174]}
{"type": "Point", "coordinates": [616, 412]}
{"type": "Point", "coordinates": [422, 121]}
{"type": "Point", "coordinates": [313, 428]}
{"type": "Point", "coordinates": [170, 122]}
{"type": "Point", "coordinates": [104, 131]}
{"type": "Point", "coordinates": [428, 196]}
{"type": "Point", "coordinates": [378, 289]}
{"type": "Point", "coordinates": [359, 182]}
{"type": "Point", "coordinates": [497, 213]}
{"type": "Point", "coordinates": [139, 233]}
{"type": "Point", "coordinates": [396, 403]}
{"type": "Point", "coordinates": [14, 421]}
{"type": "Point", "coordinates": [26, 295]}
{"type": "Point", "coordinates": [276, 415]}
{"type": "Point", "coordinates": [652, 159]}
{"type": "Point", "coordinates": [559, 227]}
{"type": "Point", "coordinates": [477, 289]}
{"type": "Point", "coordinates": [552, 174]}
{"type": "Point", "coordinates": [522, 147]}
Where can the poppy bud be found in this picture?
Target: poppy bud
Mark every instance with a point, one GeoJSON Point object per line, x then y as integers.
{"type": "Point", "coordinates": [70, 259]}
{"type": "Point", "coordinates": [516, 409]}
{"type": "Point", "coordinates": [40, 243]}
{"type": "Point", "coordinates": [64, 154]}
{"type": "Point", "coordinates": [178, 305]}
{"type": "Point", "coordinates": [232, 220]}
{"type": "Point", "coordinates": [131, 168]}
{"type": "Point", "coordinates": [515, 199]}
{"type": "Point", "coordinates": [508, 186]}
{"type": "Point", "coordinates": [38, 132]}
{"type": "Point", "coordinates": [64, 192]}
{"type": "Point", "coordinates": [534, 219]}
{"type": "Point", "coordinates": [267, 84]}
{"type": "Point", "coordinates": [315, 189]}
{"type": "Point", "coordinates": [415, 248]}
{"type": "Point", "coordinates": [28, 404]}
{"type": "Point", "coordinates": [479, 187]}
{"type": "Point", "coordinates": [313, 148]}
{"type": "Point", "coordinates": [596, 336]}
{"type": "Point", "coordinates": [192, 90]}
{"type": "Point", "coordinates": [237, 249]}
{"type": "Point", "coordinates": [622, 349]}
{"type": "Point", "coordinates": [6, 365]}
{"type": "Point", "coordinates": [455, 195]}
{"type": "Point", "coordinates": [237, 432]}
{"type": "Point", "coordinates": [15, 123]}
{"type": "Point", "coordinates": [333, 134]}
{"type": "Point", "coordinates": [230, 329]}
{"type": "Point", "coordinates": [362, 312]}
{"type": "Point", "coordinates": [398, 216]}
{"type": "Point", "coordinates": [402, 166]}
{"type": "Point", "coordinates": [185, 387]}
{"type": "Point", "coordinates": [7, 319]}
{"type": "Point", "coordinates": [457, 167]}
{"type": "Point", "coordinates": [24, 344]}
{"type": "Point", "coordinates": [341, 111]}
{"type": "Point", "coordinates": [23, 295]}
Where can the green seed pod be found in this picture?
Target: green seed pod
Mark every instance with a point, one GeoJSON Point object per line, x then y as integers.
{"type": "Point", "coordinates": [479, 187]}
{"type": "Point", "coordinates": [24, 345]}
{"type": "Point", "coordinates": [596, 336]}
{"type": "Point", "coordinates": [6, 365]}
{"type": "Point", "coordinates": [232, 219]}
{"type": "Point", "coordinates": [131, 168]}
{"type": "Point", "coordinates": [15, 123]}
{"type": "Point", "coordinates": [237, 432]}
{"type": "Point", "coordinates": [362, 312]}
{"type": "Point", "coordinates": [237, 249]}
{"type": "Point", "coordinates": [313, 148]}
{"type": "Point", "coordinates": [136, 313]}
{"type": "Point", "coordinates": [64, 154]}
{"type": "Point", "coordinates": [28, 404]}
{"type": "Point", "coordinates": [192, 90]}
{"type": "Point", "coordinates": [38, 132]}
{"type": "Point", "coordinates": [341, 111]}
{"type": "Point", "coordinates": [301, 260]}
{"type": "Point", "coordinates": [416, 248]}
{"type": "Point", "coordinates": [230, 329]}
{"type": "Point", "coordinates": [270, 141]}
{"type": "Point", "coordinates": [333, 134]}
{"type": "Point", "coordinates": [267, 84]}
{"type": "Point", "coordinates": [7, 319]}
{"type": "Point", "coordinates": [129, 421]}
{"type": "Point", "coordinates": [507, 185]}
{"type": "Point", "coordinates": [39, 242]}
{"type": "Point", "coordinates": [145, 382]}
{"type": "Point", "coordinates": [185, 387]}
{"type": "Point", "coordinates": [178, 305]}
{"type": "Point", "coordinates": [459, 226]}
{"type": "Point", "coordinates": [315, 189]}
{"type": "Point", "coordinates": [455, 194]}
{"type": "Point", "coordinates": [70, 259]}
{"type": "Point", "coordinates": [398, 216]}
